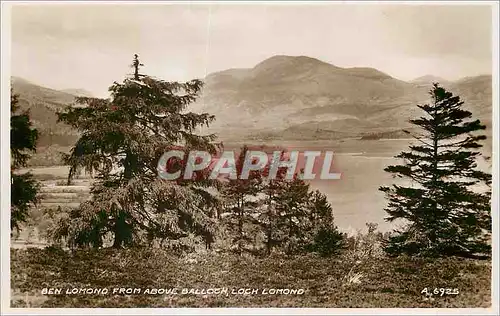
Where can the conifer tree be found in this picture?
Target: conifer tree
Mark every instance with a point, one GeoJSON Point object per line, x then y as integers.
{"type": "Point", "coordinates": [324, 236]}
{"type": "Point", "coordinates": [292, 204]}
{"type": "Point", "coordinates": [24, 187]}
{"type": "Point", "coordinates": [305, 219]}
{"type": "Point", "coordinates": [447, 207]}
{"type": "Point", "coordinates": [295, 219]}
{"type": "Point", "coordinates": [122, 140]}
{"type": "Point", "coordinates": [242, 202]}
{"type": "Point", "coordinates": [269, 217]}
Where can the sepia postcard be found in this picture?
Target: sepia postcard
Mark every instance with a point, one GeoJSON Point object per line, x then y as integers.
{"type": "Point", "coordinates": [249, 157]}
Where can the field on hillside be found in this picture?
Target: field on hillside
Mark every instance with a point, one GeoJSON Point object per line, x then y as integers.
{"type": "Point", "coordinates": [334, 282]}
{"type": "Point", "coordinates": [55, 196]}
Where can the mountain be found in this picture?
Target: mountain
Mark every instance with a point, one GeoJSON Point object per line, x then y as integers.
{"type": "Point", "coordinates": [288, 98]}
{"type": "Point", "coordinates": [477, 92]}
{"type": "Point", "coordinates": [285, 92]}
{"type": "Point", "coordinates": [43, 103]}
{"type": "Point", "coordinates": [429, 80]}
{"type": "Point", "coordinates": [78, 92]}
{"type": "Point", "coordinates": [33, 92]}
{"type": "Point", "coordinates": [477, 95]}
{"type": "Point", "coordinates": [299, 97]}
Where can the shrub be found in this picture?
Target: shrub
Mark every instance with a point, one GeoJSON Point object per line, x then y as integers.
{"type": "Point", "coordinates": [328, 241]}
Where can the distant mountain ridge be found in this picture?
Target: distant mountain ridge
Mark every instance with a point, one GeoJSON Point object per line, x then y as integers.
{"type": "Point", "coordinates": [429, 79]}
{"type": "Point", "coordinates": [286, 97]}
{"type": "Point", "coordinates": [35, 92]}
{"type": "Point", "coordinates": [43, 104]}
{"type": "Point", "coordinates": [271, 95]}
{"type": "Point", "coordinates": [79, 92]}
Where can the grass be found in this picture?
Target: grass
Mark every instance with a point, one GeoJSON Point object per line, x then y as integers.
{"type": "Point", "coordinates": [334, 282]}
{"type": "Point", "coordinates": [48, 155]}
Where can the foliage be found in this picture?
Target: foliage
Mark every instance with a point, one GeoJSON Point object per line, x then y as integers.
{"type": "Point", "coordinates": [23, 187]}
{"type": "Point", "coordinates": [24, 190]}
{"type": "Point", "coordinates": [22, 136]}
{"type": "Point", "coordinates": [327, 241]}
{"type": "Point", "coordinates": [122, 140]}
{"type": "Point", "coordinates": [326, 238]}
{"type": "Point", "coordinates": [269, 217]}
{"type": "Point", "coordinates": [447, 212]}
{"type": "Point", "coordinates": [292, 206]}
{"type": "Point", "coordinates": [277, 213]}
{"type": "Point", "coordinates": [241, 204]}
{"type": "Point", "coordinates": [365, 246]}
{"type": "Point", "coordinates": [305, 220]}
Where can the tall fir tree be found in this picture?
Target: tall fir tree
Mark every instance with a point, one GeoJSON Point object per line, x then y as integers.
{"type": "Point", "coordinates": [324, 236]}
{"type": "Point", "coordinates": [447, 210]}
{"type": "Point", "coordinates": [122, 140]}
{"type": "Point", "coordinates": [242, 203]}
{"type": "Point", "coordinates": [24, 187]}
{"type": "Point", "coordinates": [269, 217]}
{"type": "Point", "coordinates": [305, 219]}
{"type": "Point", "coordinates": [292, 205]}
{"type": "Point", "coordinates": [295, 219]}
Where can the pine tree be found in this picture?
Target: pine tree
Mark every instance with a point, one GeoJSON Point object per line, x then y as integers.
{"type": "Point", "coordinates": [447, 212]}
{"type": "Point", "coordinates": [303, 219]}
{"type": "Point", "coordinates": [242, 202]}
{"type": "Point", "coordinates": [294, 218]}
{"type": "Point", "coordinates": [324, 236]}
{"type": "Point", "coordinates": [292, 206]}
{"type": "Point", "coordinates": [269, 217]}
{"type": "Point", "coordinates": [122, 140]}
{"type": "Point", "coordinates": [24, 187]}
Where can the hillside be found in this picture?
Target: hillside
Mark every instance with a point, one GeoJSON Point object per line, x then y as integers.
{"type": "Point", "coordinates": [32, 92]}
{"type": "Point", "coordinates": [286, 93]}
{"type": "Point", "coordinates": [43, 104]}
{"type": "Point", "coordinates": [429, 80]}
{"type": "Point", "coordinates": [476, 91]}
{"type": "Point", "coordinates": [79, 92]}
{"type": "Point", "coordinates": [286, 97]}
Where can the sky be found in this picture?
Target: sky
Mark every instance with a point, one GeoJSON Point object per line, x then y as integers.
{"type": "Point", "coordinates": [89, 46]}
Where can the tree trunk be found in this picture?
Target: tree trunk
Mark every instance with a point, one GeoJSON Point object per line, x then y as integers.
{"type": "Point", "coordinates": [119, 231]}
{"type": "Point", "coordinates": [120, 228]}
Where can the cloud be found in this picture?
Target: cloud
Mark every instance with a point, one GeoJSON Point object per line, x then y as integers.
{"type": "Point", "coordinates": [90, 46]}
{"type": "Point", "coordinates": [462, 31]}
